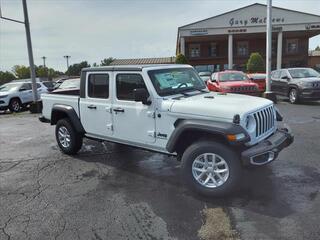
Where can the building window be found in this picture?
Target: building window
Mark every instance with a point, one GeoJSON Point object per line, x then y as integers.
{"type": "Point", "coordinates": [242, 48]}
{"type": "Point", "coordinates": [213, 50]}
{"type": "Point", "coordinates": [194, 50]}
{"type": "Point", "coordinates": [98, 86]}
{"type": "Point", "coordinates": [292, 45]}
{"type": "Point", "coordinates": [126, 83]}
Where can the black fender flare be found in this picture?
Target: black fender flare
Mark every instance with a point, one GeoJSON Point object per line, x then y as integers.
{"type": "Point", "coordinates": [214, 128]}
{"type": "Point", "coordinates": [67, 110]}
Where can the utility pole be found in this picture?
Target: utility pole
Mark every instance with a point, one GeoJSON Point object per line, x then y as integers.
{"type": "Point", "coordinates": [268, 93]}
{"type": "Point", "coordinates": [30, 53]}
{"type": "Point", "coordinates": [44, 61]}
{"type": "Point", "coordinates": [67, 57]}
{"type": "Point", "coordinates": [29, 45]}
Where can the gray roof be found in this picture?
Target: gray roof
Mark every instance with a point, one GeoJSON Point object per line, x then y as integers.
{"type": "Point", "coordinates": [123, 67]}
{"type": "Point", "coordinates": [143, 61]}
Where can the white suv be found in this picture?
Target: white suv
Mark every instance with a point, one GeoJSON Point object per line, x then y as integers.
{"type": "Point", "coordinates": [15, 95]}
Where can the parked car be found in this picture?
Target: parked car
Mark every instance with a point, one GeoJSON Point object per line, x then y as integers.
{"type": "Point", "coordinates": [299, 84]}
{"type": "Point", "coordinates": [15, 95]}
{"type": "Point", "coordinates": [205, 76]}
{"type": "Point", "coordinates": [68, 87]}
{"type": "Point", "coordinates": [167, 109]}
{"type": "Point", "coordinates": [260, 79]}
{"type": "Point", "coordinates": [230, 81]}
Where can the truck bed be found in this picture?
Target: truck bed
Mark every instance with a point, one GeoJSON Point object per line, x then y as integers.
{"type": "Point", "coordinates": [49, 99]}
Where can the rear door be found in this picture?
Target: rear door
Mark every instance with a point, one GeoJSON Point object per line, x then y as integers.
{"type": "Point", "coordinates": [95, 108]}
{"type": "Point", "coordinates": [275, 81]}
{"type": "Point", "coordinates": [133, 121]}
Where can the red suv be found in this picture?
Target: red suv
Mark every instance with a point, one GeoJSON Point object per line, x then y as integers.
{"type": "Point", "coordinates": [260, 79]}
{"type": "Point", "coordinates": [232, 82]}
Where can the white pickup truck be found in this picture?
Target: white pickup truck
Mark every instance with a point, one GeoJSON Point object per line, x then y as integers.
{"type": "Point", "coordinates": [168, 109]}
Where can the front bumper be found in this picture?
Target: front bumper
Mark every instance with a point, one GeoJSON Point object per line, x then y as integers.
{"type": "Point", "coordinates": [267, 150]}
{"type": "Point", "coordinates": [311, 94]}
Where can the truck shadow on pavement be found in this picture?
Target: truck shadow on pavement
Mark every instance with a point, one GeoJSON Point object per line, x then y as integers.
{"type": "Point", "coordinates": [155, 178]}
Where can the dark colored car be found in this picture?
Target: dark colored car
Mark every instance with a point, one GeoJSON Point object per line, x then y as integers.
{"type": "Point", "coordinates": [260, 79]}
{"type": "Point", "coordinates": [299, 84]}
{"type": "Point", "coordinates": [68, 87]}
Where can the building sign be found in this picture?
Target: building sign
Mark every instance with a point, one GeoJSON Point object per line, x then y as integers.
{"type": "Point", "coordinates": [312, 26]}
{"type": "Point", "coordinates": [241, 30]}
{"type": "Point", "coordinates": [199, 32]}
{"type": "Point", "coordinates": [253, 21]}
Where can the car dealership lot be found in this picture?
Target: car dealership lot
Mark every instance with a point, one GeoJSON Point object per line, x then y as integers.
{"type": "Point", "coordinates": [113, 192]}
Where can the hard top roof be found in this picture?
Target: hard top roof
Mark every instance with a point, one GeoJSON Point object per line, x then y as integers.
{"type": "Point", "coordinates": [132, 67]}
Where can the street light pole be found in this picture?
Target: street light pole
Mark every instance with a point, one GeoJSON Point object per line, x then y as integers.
{"type": "Point", "coordinates": [44, 61]}
{"type": "Point", "coordinates": [67, 57]}
{"type": "Point", "coordinates": [30, 53]}
{"type": "Point", "coordinates": [268, 93]}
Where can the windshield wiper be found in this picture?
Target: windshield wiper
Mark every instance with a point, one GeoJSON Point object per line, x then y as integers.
{"type": "Point", "coordinates": [197, 89]}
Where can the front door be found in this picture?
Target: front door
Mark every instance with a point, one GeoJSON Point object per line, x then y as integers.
{"type": "Point", "coordinates": [133, 121]}
{"type": "Point", "coordinates": [95, 108]}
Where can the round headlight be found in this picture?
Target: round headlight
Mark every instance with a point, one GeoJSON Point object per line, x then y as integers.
{"type": "Point", "coordinates": [250, 123]}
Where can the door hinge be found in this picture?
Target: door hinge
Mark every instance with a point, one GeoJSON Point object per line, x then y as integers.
{"type": "Point", "coordinates": [152, 133]}
{"type": "Point", "coordinates": [151, 114]}
{"type": "Point", "coordinates": [110, 126]}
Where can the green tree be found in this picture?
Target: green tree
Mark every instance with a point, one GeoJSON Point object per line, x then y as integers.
{"type": "Point", "coordinates": [21, 71]}
{"type": "Point", "coordinates": [107, 61]}
{"type": "Point", "coordinates": [181, 59]}
{"type": "Point", "coordinates": [75, 69]}
{"type": "Point", "coordinates": [255, 63]}
{"type": "Point", "coordinates": [6, 77]}
{"type": "Point", "coordinates": [317, 48]}
{"type": "Point", "coordinates": [42, 72]}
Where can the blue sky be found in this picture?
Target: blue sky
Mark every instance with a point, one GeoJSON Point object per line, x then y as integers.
{"type": "Point", "coordinates": [95, 29]}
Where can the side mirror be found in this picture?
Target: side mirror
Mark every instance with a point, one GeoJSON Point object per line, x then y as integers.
{"type": "Point", "coordinates": [285, 78]}
{"type": "Point", "coordinates": [22, 89]}
{"type": "Point", "coordinates": [141, 95]}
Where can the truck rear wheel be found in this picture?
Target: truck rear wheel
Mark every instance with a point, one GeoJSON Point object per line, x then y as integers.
{"type": "Point", "coordinates": [68, 139]}
{"type": "Point", "coordinates": [210, 168]}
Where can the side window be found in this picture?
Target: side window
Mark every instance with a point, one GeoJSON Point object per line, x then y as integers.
{"type": "Point", "coordinates": [98, 86]}
{"type": "Point", "coordinates": [26, 86]}
{"type": "Point", "coordinates": [283, 74]}
{"type": "Point", "coordinates": [276, 74]}
{"type": "Point", "coordinates": [126, 83]}
{"type": "Point", "coordinates": [38, 85]}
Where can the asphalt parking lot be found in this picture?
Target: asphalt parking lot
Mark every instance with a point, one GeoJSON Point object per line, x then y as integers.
{"type": "Point", "coordinates": [113, 192]}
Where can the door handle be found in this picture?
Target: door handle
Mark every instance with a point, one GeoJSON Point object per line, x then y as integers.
{"type": "Point", "coordinates": [92, 107]}
{"type": "Point", "coordinates": [118, 110]}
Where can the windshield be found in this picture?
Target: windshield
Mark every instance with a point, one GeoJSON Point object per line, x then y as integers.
{"type": "Point", "coordinates": [9, 87]}
{"type": "Point", "coordinates": [258, 76]}
{"type": "Point", "coordinates": [232, 76]}
{"type": "Point", "coordinates": [303, 73]}
{"type": "Point", "coordinates": [71, 83]}
{"type": "Point", "coordinates": [175, 80]}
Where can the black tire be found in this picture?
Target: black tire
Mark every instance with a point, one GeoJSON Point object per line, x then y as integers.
{"type": "Point", "coordinates": [293, 96]}
{"type": "Point", "coordinates": [75, 139]}
{"type": "Point", "coordinates": [226, 153]}
{"type": "Point", "coordinates": [15, 105]}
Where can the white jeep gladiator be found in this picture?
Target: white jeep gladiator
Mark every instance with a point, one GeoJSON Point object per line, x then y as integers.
{"type": "Point", "coordinates": [168, 109]}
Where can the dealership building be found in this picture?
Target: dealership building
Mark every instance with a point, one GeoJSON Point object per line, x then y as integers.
{"type": "Point", "coordinates": [227, 40]}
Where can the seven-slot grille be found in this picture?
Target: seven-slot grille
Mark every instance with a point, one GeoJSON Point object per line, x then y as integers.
{"type": "Point", "coordinates": [264, 120]}
{"type": "Point", "coordinates": [242, 89]}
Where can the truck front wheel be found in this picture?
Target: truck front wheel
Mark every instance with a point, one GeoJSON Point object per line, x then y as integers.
{"type": "Point", "coordinates": [211, 168]}
{"type": "Point", "coordinates": [68, 139]}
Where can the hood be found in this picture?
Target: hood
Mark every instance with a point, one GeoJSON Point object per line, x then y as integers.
{"type": "Point", "coordinates": [312, 79]}
{"type": "Point", "coordinates": [237, 84]}
{"type": "Point", "coordinates": [218, 105]}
